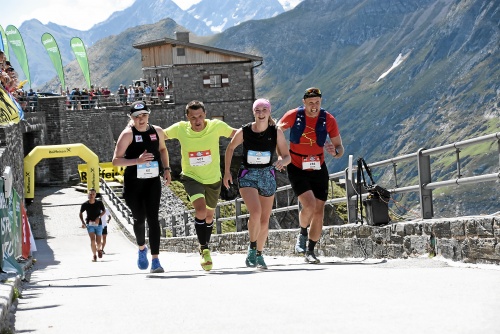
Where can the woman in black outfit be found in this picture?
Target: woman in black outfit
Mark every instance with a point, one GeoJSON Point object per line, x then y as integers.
{"type": "Point", "coordinates": [141, 148]}
{"type": "Point", "coordinates": [256, 178]}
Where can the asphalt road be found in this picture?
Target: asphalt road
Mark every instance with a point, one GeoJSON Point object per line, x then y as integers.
{"type": "Point", "coordinates": [68, 293]}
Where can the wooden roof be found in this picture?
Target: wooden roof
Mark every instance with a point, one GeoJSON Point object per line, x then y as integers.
{"type": "Point", "coordinates": [176, 42]}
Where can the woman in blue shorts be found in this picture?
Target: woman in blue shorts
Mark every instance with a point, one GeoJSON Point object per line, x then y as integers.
{"type": "Point", "coordinates": [256, 178]}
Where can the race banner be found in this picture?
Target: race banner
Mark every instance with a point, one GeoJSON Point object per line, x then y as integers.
{"type": "Point", "coordinates": [17, 45]}
{"type": "Point", "coordinates": [106, 171]}
{"type": "Point", "coordinates": [9, 235]}
{"type": "Point", "coordinates": [26, 233]}
{"type": "Point", "coordinates": [81, 56]}
{"type": "Point", "coordinates": [10, 111]}
{"type": "Point", "coordinates": [52, 49]}
{"type": "Point", "coordinates": [5, 45]}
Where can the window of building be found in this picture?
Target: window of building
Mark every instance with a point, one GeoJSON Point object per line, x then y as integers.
{"type": "Point", "coordinates": [215, 81]}
{"type": "Point", "coordinates": [181, 52]}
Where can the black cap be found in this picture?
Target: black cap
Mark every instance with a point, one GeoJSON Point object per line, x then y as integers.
{"type": "Point", "coordinates": [139, 107]}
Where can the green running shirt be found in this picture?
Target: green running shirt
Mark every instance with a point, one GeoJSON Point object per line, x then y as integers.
{"type": "Point", "coordinates": [200, 150]}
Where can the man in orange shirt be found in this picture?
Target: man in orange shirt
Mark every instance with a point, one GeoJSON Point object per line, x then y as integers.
{"type": "Point", "coordinates": [309, 127]}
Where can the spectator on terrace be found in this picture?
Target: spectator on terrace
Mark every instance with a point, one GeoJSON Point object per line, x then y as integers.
{"type": "Point", "coordinates": [161, 93]}
{"type": "Point", "coordinates": [122, 95]}
{"type": "Point", "coordinates": [130, 94]}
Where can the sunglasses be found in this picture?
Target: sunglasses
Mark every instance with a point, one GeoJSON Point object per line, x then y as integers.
{"type": "Point", "coordinates": [312, 92]}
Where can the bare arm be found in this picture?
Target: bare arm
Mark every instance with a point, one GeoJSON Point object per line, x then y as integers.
{"type": "Point", "coordinates": [335, 148]}
{"type": "Point", "coordinates": [81, 219]}
{"type": "Point", "coordinates": [167, 177]}
{"type": "Point", "coordinates": [123, 142]}
{"type": "Point", "coordinates": [284, 157]}
{"type": "Point", "coordinates": [236, 140]}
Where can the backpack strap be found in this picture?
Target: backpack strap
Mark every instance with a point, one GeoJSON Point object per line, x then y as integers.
{"type": "Point", "coordinates": [299, 126]}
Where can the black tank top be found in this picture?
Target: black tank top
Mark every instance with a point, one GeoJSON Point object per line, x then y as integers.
{"type": "Point", "coordinates": [141, 141]}
{"type": "Point", "coordinates": [259, 142]}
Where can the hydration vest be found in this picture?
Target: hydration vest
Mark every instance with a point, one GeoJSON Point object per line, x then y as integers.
{"type": "Point", "coordinates": [299, 126]}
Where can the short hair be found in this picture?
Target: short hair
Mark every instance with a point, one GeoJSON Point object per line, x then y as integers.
{"type": "Point", "coordinates": [195, 105]}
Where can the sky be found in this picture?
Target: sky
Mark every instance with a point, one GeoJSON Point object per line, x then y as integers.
{"type": "Point", "coordinates": [65, 12]}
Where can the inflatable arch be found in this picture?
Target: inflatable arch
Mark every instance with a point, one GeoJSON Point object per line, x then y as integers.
{"type": "Point", "coordinates": [59, 151]}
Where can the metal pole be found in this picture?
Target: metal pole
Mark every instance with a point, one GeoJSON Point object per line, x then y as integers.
{"type": "Point", "coordinates": [186, 232]}
{"type": "Point", "coordinates": [174, 222]}
{"type": "Point", "coordinates": [238, 213]}
{"type": "Point", "coordinates": [350, 194]}
{"type": "Point", "coordinates": [218, 225]}
{"type": "Point", "coordinates": [424, 177]}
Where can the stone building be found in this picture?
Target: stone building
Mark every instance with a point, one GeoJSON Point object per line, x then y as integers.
{"type": "Point", "coordinates": [222, 79]}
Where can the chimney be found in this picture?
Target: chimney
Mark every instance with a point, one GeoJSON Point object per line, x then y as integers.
{"type": "Point", "coordinates": [182, 36]}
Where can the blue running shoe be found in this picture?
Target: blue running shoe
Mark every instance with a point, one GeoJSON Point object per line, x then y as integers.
{"type": "Point", "coordinates": [251, 260]}
{"type": "Point", "coordinates": [300, 246]}
{"type": "Point", "coordinates": [142, 261]}
{"type": "Point", "coordinates": [156, 267]}
{"type": "Point", "coordinates": [260, 262]}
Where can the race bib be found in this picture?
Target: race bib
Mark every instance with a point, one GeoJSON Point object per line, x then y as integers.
{"type": "Point", "coordinates": [258, 157]}
{"type": "Point", "coordinates": [92, 223]}
{"type": "Point", "coordinates": [311, 162]}
{"type": "Point", "coordinates": [148, 170]}
{"type": "Point", "coordinates": [200, 158]}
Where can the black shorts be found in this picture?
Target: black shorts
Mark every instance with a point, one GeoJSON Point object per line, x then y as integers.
{"type": "Point", "coordinates": [105, 230]}
{"type": "Point", "coordinates": [305, 180]}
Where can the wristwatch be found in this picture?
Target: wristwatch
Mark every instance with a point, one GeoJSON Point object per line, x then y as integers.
{"type": "Point", "coordinates": [167, 168]}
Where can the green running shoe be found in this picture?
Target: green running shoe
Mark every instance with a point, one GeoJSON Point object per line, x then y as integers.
{"type": "Point", "coordinates": [251, 260]}
{"type": "Point", "coordinates": [260, 262]}
{"type": "Point", "coordinates": [206, 260]}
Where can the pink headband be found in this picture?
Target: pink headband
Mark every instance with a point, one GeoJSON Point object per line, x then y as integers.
{"type": "Point", "coordinates": [262, 102]}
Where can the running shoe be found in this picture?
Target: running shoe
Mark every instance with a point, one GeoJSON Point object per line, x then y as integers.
{"type": "Point", "coordinates": [260, 262]}
{"type": "Point", "coordinates": [311, 258]}
{"type": "Point", "coordinates": [142, 261]}
{"type": "Point", "coordinates": [300, 246]}
{"type": "Point", "coordinates": [206, 259]}
{"type": "Point", "coordinates": [99, 253]}
{"type": "Point", "coordinates": [103, 251]}
{"type": "Point", "coordinates": [251, 260]}
{"type": "Point", "coordinates": [94, 259]}
{"type": "Point", "coordinates": [156, 266]}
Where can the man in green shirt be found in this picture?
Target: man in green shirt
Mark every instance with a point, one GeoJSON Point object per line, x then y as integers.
{"type": "Point", "coordinates": [201, 175]}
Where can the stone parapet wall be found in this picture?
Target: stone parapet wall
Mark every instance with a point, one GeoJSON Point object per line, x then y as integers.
{"type": "Point", "coordinates": [467, 239]}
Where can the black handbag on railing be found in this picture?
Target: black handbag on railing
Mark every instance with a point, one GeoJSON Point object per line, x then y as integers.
{"type": "Point", "coordinates": [377, 203]}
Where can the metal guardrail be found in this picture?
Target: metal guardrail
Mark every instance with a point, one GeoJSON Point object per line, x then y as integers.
{"type": "Point", "coordinates": [424, 186]}
{"type": "Point", "coordinates": [117, 202]}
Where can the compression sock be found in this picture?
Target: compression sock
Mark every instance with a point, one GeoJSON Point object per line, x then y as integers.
{"type": "Point", "coordinates": [201, 231]}
{"type": "Point", "coordinates": [310, 246]}
{"type": "Point", "coordinates": [259, 253]}
{"type": "Point", "coordinates": [253, 244]}
{"type": "Point", "coordinates": [303, 231]}
{"type": "Point", "coordinates": [208, 231]}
